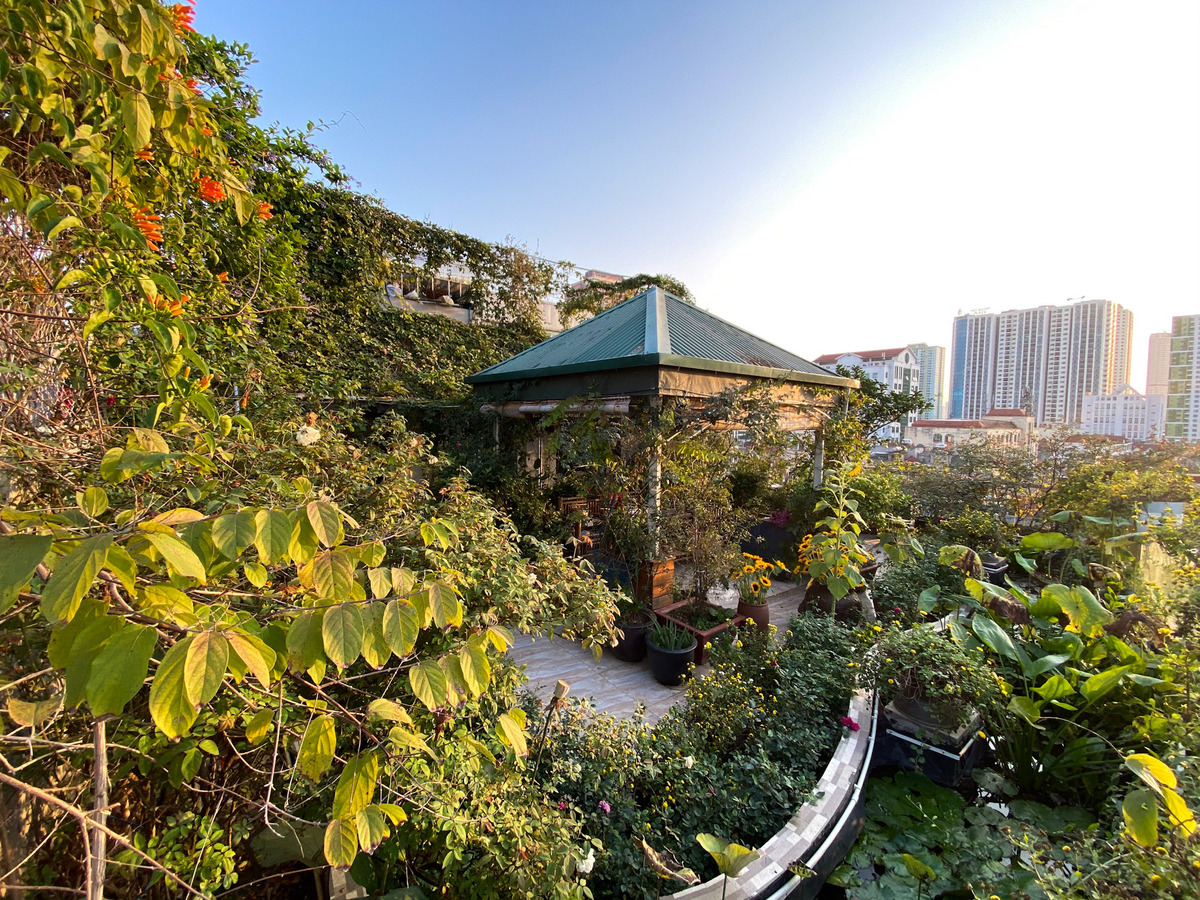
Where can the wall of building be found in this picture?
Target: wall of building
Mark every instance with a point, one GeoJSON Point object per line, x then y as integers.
{"type": "Point", "coordinates": [1183, 387]}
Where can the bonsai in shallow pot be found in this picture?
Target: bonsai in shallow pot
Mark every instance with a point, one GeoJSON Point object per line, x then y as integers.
{"type": "Point", "coordinates": [634, 620]}
{"type": "Point", "coordinates": [670, 649]}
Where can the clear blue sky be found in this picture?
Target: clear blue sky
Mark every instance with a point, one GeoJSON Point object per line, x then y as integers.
{"type": "Point", "coordinates": [835, 175]}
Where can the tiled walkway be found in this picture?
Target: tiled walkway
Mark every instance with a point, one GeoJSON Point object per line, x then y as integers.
{"type": "Point", "coordinates": [618, 687]}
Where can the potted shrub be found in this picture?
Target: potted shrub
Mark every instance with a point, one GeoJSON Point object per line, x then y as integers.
{"type": "Point", "coordinates": [831, 558]}
{"type": "Point", "coordinates": [634, 621]}
{"type": "Point", "coordinates": [670, 649]}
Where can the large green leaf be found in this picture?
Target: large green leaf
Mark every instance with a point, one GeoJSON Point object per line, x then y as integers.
{"type": "Point", "coordinates": [356, 785]}
{"type": "Point", "coordinates": [1140, 810]}
{"type": "Point", "coordinates": [372, 828]}
{"type": "Point", "coordinates": [93, 501]}
{"type": "Point", "coordinates": [273, 533]}
{"type": "Point", "coordinates": [180, 558]}
{"type": "Point", "coordinates": [331, 573]}
{"type": "Point", "coordinates": [341, 843]}
{"type": "Point", "coordinates": [1152, 770]}
{"type": "Point", "coordinates": [1086, 614]}
{"type": "Point", "coordinates": [325, 521]}
{"type": "Point", "coordinates": [137, 119]}
{"type": "Point", "coordinates": [303, 542]}
{"type": "Point", "coordinates": [476, 670]}
{"type": "Point", "coordinates": [119, 669]}
{"type": "Point", "coordinates": [72, 578]}
{"type": "Point", "coordinates": [388, 710]}
{"type": "Point", "coordinates": [204, 669]}
{"type": "Point", "coordinates": [254, 652]}
{"type": "Point", "coordinates": [444, 602]}
{"type": "Point", "coordinates": [401, 625]}
{"type": "Point", "coordinates": [259, 726]}
{"type": "Point", "coordinates": [20, 555]}
{"type": "Point", "coordinates": [510, 728]}
{"type": "Point", "coordinates": [170, 707]}
{"type": "Point", "coordinates": [428, 683]}
{"type": "Point", "coordinates": [1102, 682]}
{"type": "Point", "coordinates": [1046, 541]}
{"type": "Point", "coordinates": [375, 649]}
{"type": "Point", "coordinates": [1054, 688]}
{"type": "Point", "coordinates": [316, 747]}
{"type": "Point", "coordinates": [731, 858]}
{"type": "Point", "coordinates": [380, 581]}
{"type": "Point", "coordinates": [993, 635]}
{"type": "Point", "coordinates": [234, 532]}
{"type": "Point", "coordinates": [304, 642]}
{"type": "Point", "coordinates": [342, 631]}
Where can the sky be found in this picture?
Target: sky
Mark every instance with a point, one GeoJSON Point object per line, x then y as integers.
{"type": "Point", "coordinates": [838, 175]}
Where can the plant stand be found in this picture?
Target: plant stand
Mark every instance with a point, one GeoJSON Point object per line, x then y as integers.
{"type": "Point", "coordinates": [704, 636]}
{"type": "Point", "coordinates": [944, 754]}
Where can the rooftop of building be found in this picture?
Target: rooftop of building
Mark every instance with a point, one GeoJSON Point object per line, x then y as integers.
{"type": "Point", "coordinates": [830, 359]}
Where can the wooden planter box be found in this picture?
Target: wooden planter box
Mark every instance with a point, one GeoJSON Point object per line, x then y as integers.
{"type": "Point", "coordinates": [654, 582]}
{"type": "Point", "coordinates": [702, 637]}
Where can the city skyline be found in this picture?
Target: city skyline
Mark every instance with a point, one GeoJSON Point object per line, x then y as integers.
{"type": "Point", "coordinates": [801, 167]}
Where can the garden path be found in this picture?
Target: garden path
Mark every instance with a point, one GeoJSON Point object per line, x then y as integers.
{"type": "Point", "coordinates": [617, 687]}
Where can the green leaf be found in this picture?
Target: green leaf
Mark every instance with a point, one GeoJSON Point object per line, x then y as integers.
{"type": "Point", "coordinates": [428, 683]}
{"type": "Point", "coordinates": [170, 707]}
{"type": "Point", "coordinates": [258, 657]}
{"type": "Point", "coordinates": [31, 714]}
{"type": "Point", "coordinates": [1140, 810]}
{"type": "Point", "coordinates": [316, 747]}
{"type": "Point", "coordinates": [356, 785]}
{"type": "Point", "coordinates": [916, 868]}
{"type": "Point", "coordinates": [342, 631]}
{"type": "Point", "coordinates": [162, 601]}
{"type": "Point", "coordinates": [60, 225]}
{"type": "Point", "coordinates": [1156, 773]}
{"type": "Point", "coordinates": [1028, 709]}
{"type": "Point", "coordinates": [304, 642]}
{"type": "Point", "coordinates": [273, 535]}
{"type": "Point", "coordinates": [95, 320]}
{"type": "Point", "coordinates": [372, 828]}
{"type": "Point", "coordinates": [1086, 614]}
{"type": "Point", "coordinates": [234, 532]}
{"type": "Point", "coordinates": [380, 581]}
{"type": "Point", "coordinates": [512, 733]}
{"type": "Point", "coordinates": [444, 602]}
{"type": "Point", "coordinates": [119, 669]}
{"type": "Point", "coordinates": [395, 813]}
{"type": "Point", "coordinates": [375, 649]}
{"type": "Point", "coordinates": [993, 635]}
{"type": "Point", "coordinates": [388, 710]}
{"type": "Point", "coordinates": [137, 118]}
{"type": "Point", "coordinates": [72, 578]}
{"type": "Point", "coordinates": [180, 558]}
{"type": "Point", "coordinates": [371, 554]}
{"type": "Point", "coordinates": [731, 859]}
{"type": "Point", "coordinates": [325, 521]}
{"type": "Point", "coordinates": [411, 740]}
{"type": "Point", "coordinates": [401, 625]}
{"type": "Point", "coordinates": [260, 726]}
{"type": "Point", "coordinates": [255, 573]}
{"type": "Point", "coordinates": [341, 843]}
{"type": "Point", "coordinates": [303, 542]}
{"type": "Point", "coordinates": [1046, 541]}
{"type": "Point", "coordinates": [1102, 682]}
{"type": "Point", "coordinates": [1054, 688]}
{"type": "Point", "coordinates": [20, 555]}
{"type": "Point", "coordinates": [93, 502]}
{"type": "Point", "coordinates": [83, 652]}
{"type": "Point", "coordinates": [476, 670]}
{"type": "Point", "coordinates": [331, 573]}
{"type": "Point", "coordinates": [207, 660]}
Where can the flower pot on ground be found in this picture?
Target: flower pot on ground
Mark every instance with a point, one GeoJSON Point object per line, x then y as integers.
{"type": "Point", "coordinates": [752, 583]}
{"type": "Point", "coordinates": [702, 619]}
{"type": "Point", "coordinates": [631, 644]}
{"type": "Point", "coordinates": [670, 649]}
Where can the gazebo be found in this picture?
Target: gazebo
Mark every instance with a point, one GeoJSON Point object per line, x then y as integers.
{"type": "Point", "coordinates": [652, 346]}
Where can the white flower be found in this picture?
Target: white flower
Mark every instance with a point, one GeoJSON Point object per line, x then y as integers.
{"type": "Point", "coordinates": [306, 435]}
{"type": "Point", "coordinates": [688, 762]}
{"type": "Point", "coordinates": [584, 866]}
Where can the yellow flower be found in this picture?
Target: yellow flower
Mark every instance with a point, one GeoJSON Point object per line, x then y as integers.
{"type": "Point", "coordinates": [766, 582]}
{"type": "Point", "coordinates": [754, 588]}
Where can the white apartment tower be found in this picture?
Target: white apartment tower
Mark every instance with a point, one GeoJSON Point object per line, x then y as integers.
{"type": "Point", "coordinates": [932, 361]}
{"type": "Point", "coordinates": [1183, 389]}
{"type": "Point", "coordinates": [897, 368]}
{"type": "Point", "coordinates": [1044, 359]}
{"type": "Point", "coordinates": [1125, 413]}
{"type": "Point", "coordinates": [1158, 366]}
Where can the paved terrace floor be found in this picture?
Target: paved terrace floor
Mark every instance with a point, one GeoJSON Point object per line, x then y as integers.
{"type": "Point", "coordinates": [617, 687]}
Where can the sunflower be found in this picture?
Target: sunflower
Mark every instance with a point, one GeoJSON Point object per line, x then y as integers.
{"type": "Point", "coordinates": [746, 570]}
{"type": "Point", "coordinates": [754, 588]}
{"type": "Point", "coordinates": [766, 582]}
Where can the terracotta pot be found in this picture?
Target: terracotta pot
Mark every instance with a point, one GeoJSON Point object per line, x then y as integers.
{"type": "Point", "coordinates": [759, 612]}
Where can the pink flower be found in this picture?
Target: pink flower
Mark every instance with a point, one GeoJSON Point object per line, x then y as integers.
{"type": "Point", "coordinates": [850, 723]}
{"type": "Point", "coordinates": [604, 807]}
{"type": "Point", "coordinates": [562, 804]}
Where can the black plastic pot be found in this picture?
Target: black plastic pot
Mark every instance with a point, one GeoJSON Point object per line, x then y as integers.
{"type": "Point", "coordinates": [995, 568]}
{"type": "Point", "coordinates": [669, 667]}
{"type": "Point", "coordinates": [632, 647]}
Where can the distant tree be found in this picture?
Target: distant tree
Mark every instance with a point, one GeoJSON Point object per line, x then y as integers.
{"type": "Point", "coordinates": [872, 406]}
{"type": "Point", "coordinates": [595, 296]}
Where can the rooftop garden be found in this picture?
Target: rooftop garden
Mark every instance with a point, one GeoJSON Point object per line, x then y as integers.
{"type": "Point", "coordinates": [262, 563]}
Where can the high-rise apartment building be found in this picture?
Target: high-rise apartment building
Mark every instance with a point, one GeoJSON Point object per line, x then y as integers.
{"type": "Point", "coordinates": [1044, 360]}
{"type": "Point", "coordinates": [1125, 413]}
{"type": "Point", "coordinates": [1183, 387]}
{"type": "Point", "coordinates": [1158, 364]}
{"type": "Point", "coordinates": [932, 382]}
{"type": "Point", "coordinates": [896, 368]}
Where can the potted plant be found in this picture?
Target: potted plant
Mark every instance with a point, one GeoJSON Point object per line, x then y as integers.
{"type": "Point", "coordinates": [832, 557]}
{"type": "Point", "coordinates": [752, 583]}
{"type": "Point", "coordinates": [670, 649]}
{"type": "Point", "coordinates": [705, 620]}
{"type": "Point", "coordinates": [634, 621]}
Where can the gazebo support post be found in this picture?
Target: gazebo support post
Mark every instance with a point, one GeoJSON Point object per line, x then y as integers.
{"type": "Point", "coordinates": [654, 482]}
{"type": "Point", "coordinates": [818, 458]}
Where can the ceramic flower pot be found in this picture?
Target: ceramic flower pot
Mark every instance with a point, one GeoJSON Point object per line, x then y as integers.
{"type": "Point", "coordinates": [669, 667]}
{"type": "Point", "coordinates": [631, 647]}
{"type": "Point", "coordinates": [759, 612]}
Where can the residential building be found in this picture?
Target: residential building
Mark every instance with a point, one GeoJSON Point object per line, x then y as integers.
{"type": "Point", "coordinates": [1005, 427]}
{"type": "Point", "coordinates": [1158, 364]}
{"type": "Point", "coordinates": [897, 368]}
{"type": "Point", "coordinates": [1183, 387]}
{"type": "Point", "coordinates": [1045, 359]}
{"type": "Point", "coordinates": [932, 362]}
{"type": "Point", "coordinates": [1125, 413]}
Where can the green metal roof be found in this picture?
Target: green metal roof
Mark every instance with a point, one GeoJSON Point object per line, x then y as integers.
{"type": "Point", "coordinates": [656, 328]}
